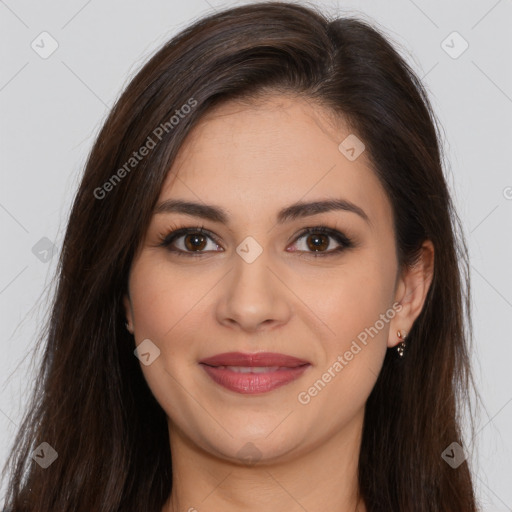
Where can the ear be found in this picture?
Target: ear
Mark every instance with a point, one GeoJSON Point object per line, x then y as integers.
{"type": "Point", "coordinates": [128, 311]}
{"type": "Point", "coordinates": [411, 291]}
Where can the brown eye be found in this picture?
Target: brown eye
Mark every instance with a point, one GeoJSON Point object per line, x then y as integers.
{"type": "Point", "coordinates": [322, 241]}
{"type": "Point", "coordinates": [195, 241]}
{"type": "Point", "coordinates": [317, 242]}
{"type": "Point", "coordinates": [190, 242]}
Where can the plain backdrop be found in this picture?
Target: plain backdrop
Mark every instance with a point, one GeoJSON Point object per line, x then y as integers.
{"type": "Point", "coordinates": [64, 63]}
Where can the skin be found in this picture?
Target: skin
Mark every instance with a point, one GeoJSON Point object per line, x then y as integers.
{"type": "Point", "coordinates": [253, 159]}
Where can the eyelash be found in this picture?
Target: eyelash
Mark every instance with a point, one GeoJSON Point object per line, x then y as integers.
{"type": "Point", "coordinates": [176, 232]}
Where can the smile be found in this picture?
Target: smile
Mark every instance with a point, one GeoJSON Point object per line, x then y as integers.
{"type": "Point", "coordinates": [253, 373]}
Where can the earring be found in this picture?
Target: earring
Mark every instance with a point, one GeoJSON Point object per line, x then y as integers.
{"type": "Point", "coordinates": [401, 346]}
{"type": "Point", "coordinates": [128, 328]}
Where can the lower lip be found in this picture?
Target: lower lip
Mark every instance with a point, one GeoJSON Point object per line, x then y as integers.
{"type": "Point", "coordinates": [253, 383]}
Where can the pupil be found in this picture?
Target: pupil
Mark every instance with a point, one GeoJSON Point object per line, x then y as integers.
{"type": "Point", "coordinates": [317, 242]}
{"type": "Point", "coordinates": [196, 241]}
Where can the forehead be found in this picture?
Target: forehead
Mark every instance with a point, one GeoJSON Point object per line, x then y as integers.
{"type": "Point", "coordinates": [270, 153]}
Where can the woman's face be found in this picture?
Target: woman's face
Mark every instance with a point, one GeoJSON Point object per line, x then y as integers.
{"type": "Point", "coordinates": [253, 282]}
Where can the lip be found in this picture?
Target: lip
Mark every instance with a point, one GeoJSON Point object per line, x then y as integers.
{"type": "Point", "coordinates": [255, 359]}
{"type": "Point", "coordinates": [280, 369]}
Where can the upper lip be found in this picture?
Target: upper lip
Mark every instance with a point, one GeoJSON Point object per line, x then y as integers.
{"type": "Point", "coordinates": [255, 359]}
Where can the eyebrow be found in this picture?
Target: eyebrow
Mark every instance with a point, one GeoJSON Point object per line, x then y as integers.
{"type": "Point", "coordinates": [290, 213]}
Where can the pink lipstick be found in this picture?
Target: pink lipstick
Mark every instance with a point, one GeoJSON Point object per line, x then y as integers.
{"type": "Point", "coordinates": [253, 373]}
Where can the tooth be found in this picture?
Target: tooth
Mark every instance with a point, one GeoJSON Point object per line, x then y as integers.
{"type": "Point", "coordinates": [251, 369]}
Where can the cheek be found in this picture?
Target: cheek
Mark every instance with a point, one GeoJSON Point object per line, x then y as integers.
{"type": "Point", "coordinates": [353, 352]}
{"type": "Point", "coordinates": [166, 309]}
{"type": "Point", "coordinates": [162, 298]}
{"type": "Point", "coordinates": [354, 295]}
{"type": "Point", "coordinates": [357, 308]}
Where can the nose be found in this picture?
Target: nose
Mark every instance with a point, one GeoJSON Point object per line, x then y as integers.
{"type": "Point", "coordinates": [253, 298]}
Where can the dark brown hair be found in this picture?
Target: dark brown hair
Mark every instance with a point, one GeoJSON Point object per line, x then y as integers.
{"type": "Point", "coordinates": [91, 402]}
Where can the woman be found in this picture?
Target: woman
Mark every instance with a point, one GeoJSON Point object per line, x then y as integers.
{"type": "Point", "coordinates": [260, 300]}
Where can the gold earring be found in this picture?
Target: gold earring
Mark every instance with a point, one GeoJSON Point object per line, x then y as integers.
{"type": "Point", "coordinates": [401, 346]}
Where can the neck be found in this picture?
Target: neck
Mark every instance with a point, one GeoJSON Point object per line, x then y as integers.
{"type": "Point", "coordinates": [318, 478]}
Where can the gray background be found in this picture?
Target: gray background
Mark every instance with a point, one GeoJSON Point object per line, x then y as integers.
{"type": "Point", "coordinates": [52, 108]}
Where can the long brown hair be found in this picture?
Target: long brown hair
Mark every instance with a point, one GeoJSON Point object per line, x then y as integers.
{"type": "Point", "coordinates": [91, 402]}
